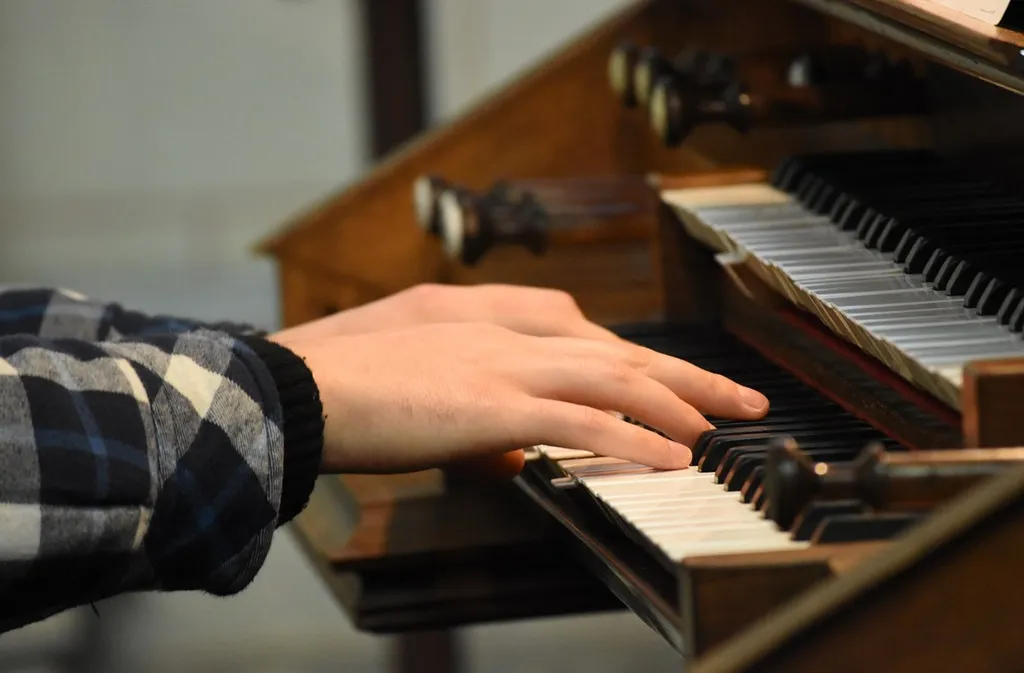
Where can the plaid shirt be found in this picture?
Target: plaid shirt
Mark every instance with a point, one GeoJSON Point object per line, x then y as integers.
{"type": "Point", "coordinates": [141, 453]}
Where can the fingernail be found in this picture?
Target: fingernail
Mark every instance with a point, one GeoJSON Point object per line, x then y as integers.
{"type": "Point", "coordinates": [754, 400]}
{"type": "Point", "coordinates": [681, 456]}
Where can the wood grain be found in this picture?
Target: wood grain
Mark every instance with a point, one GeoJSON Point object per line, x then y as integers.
{"type": "Point", "coordinates": [560, 119]}
{"type": "Point", "coordinates": [943, 597]}
{"type": "Point", "coordinates": [723, 595]}
{"type": "Point", "coordinates": [421, 551]}
{"type": "Point", "coordinates": [409, 552]}
{"type": "Point", "coordinates": [993, 392]}
{"type": "Point", "coordinates": [948, 37]}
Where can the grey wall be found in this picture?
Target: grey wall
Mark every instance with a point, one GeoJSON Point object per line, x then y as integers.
{"type": "Point", "coordinates": [144, 146]}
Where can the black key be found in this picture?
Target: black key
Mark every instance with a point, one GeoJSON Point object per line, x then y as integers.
{"type": "Point", "coordinates": [741, 469]}
{"type": "Point", "coordinates": [931, 268]}
{"type": "Point", "coordinates": [975, 295]}
{"type": "Point", "coordinates": [713, 448]}
{"type": "Point", "coordinates": [945, 273]}
{"type": "Point", "coordinates": [960, 280]}
{"type": "Point", "coordinates": [752, 483]}
{"type": "Point", "coordinates": [992, 297]}
{"type": "Point", "coordinates": [1009, 305]}
{"type": "Point", "coordinates": [848, 219]}
{"type": "Point", "coordinates": [1016, 323]}
{"type": "Point", "coordinates": [759, 500]}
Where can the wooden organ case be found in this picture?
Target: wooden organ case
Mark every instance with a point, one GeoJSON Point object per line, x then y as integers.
{"type": "Point", "coordinates": [725, 126]}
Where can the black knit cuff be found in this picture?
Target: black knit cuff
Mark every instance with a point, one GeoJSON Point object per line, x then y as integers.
{"type": "Point", "coordinates": [303, 416]}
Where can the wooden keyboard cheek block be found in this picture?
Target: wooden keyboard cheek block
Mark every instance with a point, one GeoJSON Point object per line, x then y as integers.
{"type": "Point", "coordinates": [722, 595]}
{"type": "Point", "coordinates": [993, 403]}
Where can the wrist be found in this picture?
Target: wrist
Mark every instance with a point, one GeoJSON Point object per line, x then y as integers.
{"type": "Point", "coordinates": [302, 421]}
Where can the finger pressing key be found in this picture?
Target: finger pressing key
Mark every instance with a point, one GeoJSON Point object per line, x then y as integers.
{"type": "Point", "coordinates": [610, 385]}
{"type": "Point", "coordinates": [708, 393]}
{"type": "Point", "coordinates": [587, 429]}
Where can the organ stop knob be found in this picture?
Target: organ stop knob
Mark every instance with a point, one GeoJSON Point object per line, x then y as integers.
{"type": "Point", "coordinates": [471, 225]}
{"type": "Point", "coordinates": [621, 66]}
{"type": "Point", "coordinates": [426, 192]}
{"type": "Point", "coordinates": [881, 480]}
{"type": "Point", "coordinates": [529, 212]}
{"type": "Point", "coordinates": [679, 105]}
{"type": "Point", "coordinates": [773, 89]}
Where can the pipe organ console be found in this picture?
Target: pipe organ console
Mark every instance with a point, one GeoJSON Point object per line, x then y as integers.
{"type": "Point", "coordinates": [823, 199]}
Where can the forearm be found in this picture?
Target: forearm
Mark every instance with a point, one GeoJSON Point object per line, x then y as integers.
{"type": "Point", "coordinates": [163, 462]}
{"type": "Point", "coordinates": [63, 314]}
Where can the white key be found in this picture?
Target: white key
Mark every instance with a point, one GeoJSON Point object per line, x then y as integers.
{"type": "Point", "coordinates": [847, 284]}
{"type": "Point", "coordinates": [683, 513]}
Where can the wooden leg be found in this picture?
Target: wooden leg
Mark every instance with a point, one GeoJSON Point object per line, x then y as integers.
{"type": "Point", "coordinates": [427, 652]}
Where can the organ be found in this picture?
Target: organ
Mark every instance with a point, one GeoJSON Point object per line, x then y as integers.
{"type": "Point", "coordinates": [851, 254]}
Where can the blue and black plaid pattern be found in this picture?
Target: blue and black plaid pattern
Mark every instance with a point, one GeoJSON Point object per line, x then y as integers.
{"type": "Point", "coordinates": [57, 313]}
{"type": "Point", "coordinates": [128, 462]}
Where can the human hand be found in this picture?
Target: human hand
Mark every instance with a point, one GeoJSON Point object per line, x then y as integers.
{"type": "Point", "coordinates": [432, 395]}
{"type": "Point", "coordinates": [527, 310]}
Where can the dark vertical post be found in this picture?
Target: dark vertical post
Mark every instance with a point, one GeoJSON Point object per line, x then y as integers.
{"type": "Point", "coordinates": [395, 65]}
{"type": "Point", "coordinates": [396, 93]}
{"type": "Point", "coordinates": [427, 652]}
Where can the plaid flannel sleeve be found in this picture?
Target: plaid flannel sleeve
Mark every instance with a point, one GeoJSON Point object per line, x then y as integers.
{"type": "Point", "coordinates": [160, 462]}
{"type": "Point", "coordinates": [64, 314]}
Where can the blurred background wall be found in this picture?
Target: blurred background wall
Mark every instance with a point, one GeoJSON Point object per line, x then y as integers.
{"type": "Point", "coordinates": [145, 145]}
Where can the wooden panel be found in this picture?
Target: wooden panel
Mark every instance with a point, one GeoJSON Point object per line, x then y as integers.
{"type": "Point", "coordinates": [561, 119]}
{"type": "Point", "coordinates": [944, 597]}
{"type": "Point", "coordinates": [993, 392]}
{"type": "Point", "coordinates": [612, 282]}
{"type": "Point", "coordinates": [722, 595]}
{"type": "Point", "coordinates": [411, 552]}
{"type": "Point", "coordinates": [946, 36]}
{"type": "Point", "coordinates": [309, 292]}
{"type": "Point", "coordinates": [979, 125]}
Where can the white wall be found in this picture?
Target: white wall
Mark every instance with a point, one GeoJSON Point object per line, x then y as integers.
{"type": "Point", "coordinates": [158, 139]}
{"type": "Point", "coordinates": [476, 44]}
{"type": "Point", "coordinates": [124, 95]}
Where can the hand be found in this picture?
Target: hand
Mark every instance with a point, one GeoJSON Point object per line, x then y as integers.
{"type": "Point", "coordinates": [527, 310]}
{"type": "Point", "coordinates": [427, 396]}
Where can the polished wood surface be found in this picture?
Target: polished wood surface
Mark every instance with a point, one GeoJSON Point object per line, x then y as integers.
{"type": "Point", "coordinates": [368, 229]}
{"type": "Point", "coordinates": [993, 394]}
{"type": "Point", "coordinates": [944, 35]}
{"type": "Point", "coordinates": [723, 595]}
{"type": "Point", "coordinates": [417, 552]}
{"type": "Point", "coordinates": [943, 598]}
{"type": "Point", "coordinates": [560, 119]}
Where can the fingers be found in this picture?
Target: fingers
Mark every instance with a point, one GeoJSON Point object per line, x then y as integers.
{"type": "Point", "coordinates": [587, 429]}
{"type": "Point", "coordinates": [584, 329]}
{"type": "Point", "coordinates": [709, 393]}
{"type": "Point", "coordinates": [543, 325]}
{"type": "Point", "coordinates": [605, 384]}
{"type": "Point", "coordinates": [712, 394]}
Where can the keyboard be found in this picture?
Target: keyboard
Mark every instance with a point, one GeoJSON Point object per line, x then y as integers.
{"type": "Point", "coordinates": [907, 256]}
{"type": "Point", "coordinates": [717, 506]}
